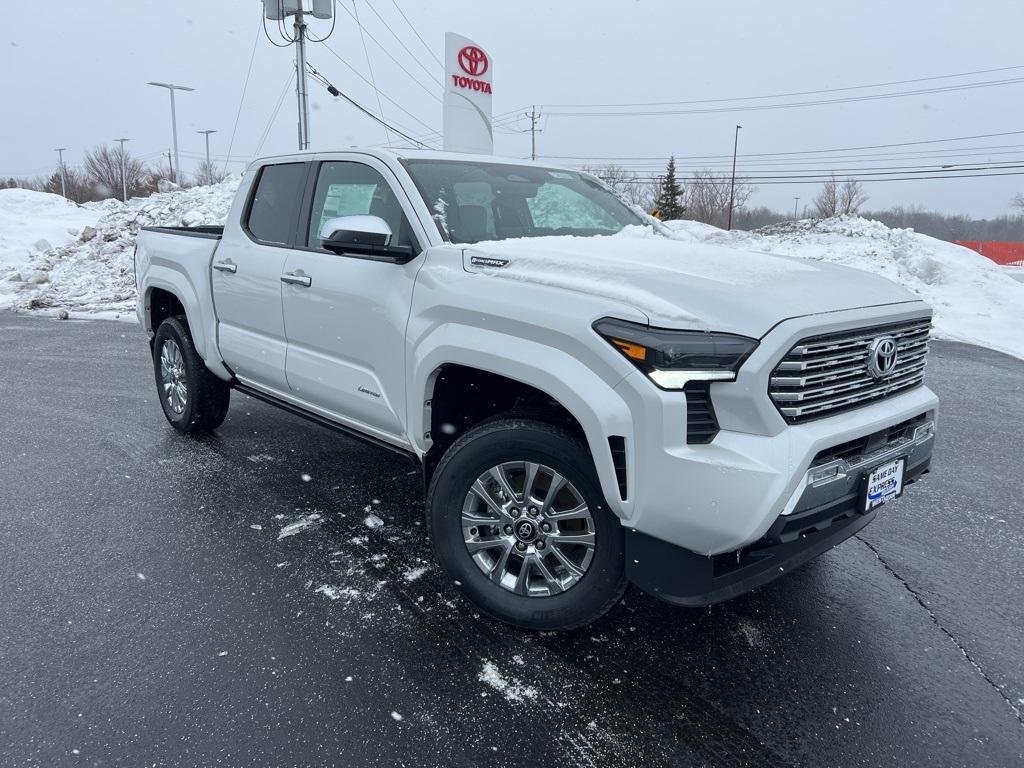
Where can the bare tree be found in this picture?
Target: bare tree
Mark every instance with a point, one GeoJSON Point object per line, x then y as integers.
{"type": "Point", "coordinates": [827, 201]}
{"type": "Point", "coordinates": [77, 185]}
{"type": "Point", "coordinates": [707, 197]}
{"type": "Point", "coordinates": [208, 173]}
{"type": "Point", "coordinates": [851, 197]}
{"type": "Point", "coordinates": [1018, 202]}
{"type": "Point", "coordinates": [104, 165]}
{"type": "Point", "coordinates": [625, 183]}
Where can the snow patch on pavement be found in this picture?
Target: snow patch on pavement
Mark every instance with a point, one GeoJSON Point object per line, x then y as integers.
{"type": "Point", "coordinates": [414, 573]}
{"type": "Point", "coordinates": [337, 593]}
{"type": "Point", "coordinates": [511, 689]}
{"type": "Point", "coordinates": [303, 524]}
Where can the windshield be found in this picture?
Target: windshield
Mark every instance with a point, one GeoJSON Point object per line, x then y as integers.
{"type": "Point", "coordinates": [495, 201]}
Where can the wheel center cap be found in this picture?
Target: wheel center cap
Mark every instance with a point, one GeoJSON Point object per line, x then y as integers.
{"type": "Point", "coordinates": [525, 531]}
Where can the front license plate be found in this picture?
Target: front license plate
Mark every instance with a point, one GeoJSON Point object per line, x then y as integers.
{"type": "Point", "coordinates": [884, 483]}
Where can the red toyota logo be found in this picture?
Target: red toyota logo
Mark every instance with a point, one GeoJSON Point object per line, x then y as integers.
{"type": "Point", "coordinates": [473, 61]}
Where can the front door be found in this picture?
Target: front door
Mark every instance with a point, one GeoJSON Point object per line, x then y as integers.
{"type": "Point", "coordinates": [247, 269]}
{"type": "Point", "coordinates": [346, 315]}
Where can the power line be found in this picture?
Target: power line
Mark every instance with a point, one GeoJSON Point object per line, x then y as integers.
{"type": "Point", "coordinates": [369, 66]}
{"type": "Point", "coordinates": [652, 179]}
{"type": "Point", "coordinates": [432, 75]}
{"type": "Point", "coordinates": [794, 93]}
{"type": "Point", "coordinates": [335, 92]}
{"type": "Point", "coordinates": [797, 152]}
{"type": "Point", "coordinates": [387, 53]}
{"type": "Point", "coordinates": [792, 105]}
{"type": "Point", "coordinates": [387, 98]}
{"type": "Point", "coordinates": [273, 116]}
{"type": "Point", "coordinates": [782, 167]}
{"type": "Point", "coordinates": [245, 87]}
{"type": "Point", "coordinates": [418, 35]}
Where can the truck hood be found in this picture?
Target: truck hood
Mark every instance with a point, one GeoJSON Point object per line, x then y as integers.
{"type": "Point", "coordinates": [679, 284]}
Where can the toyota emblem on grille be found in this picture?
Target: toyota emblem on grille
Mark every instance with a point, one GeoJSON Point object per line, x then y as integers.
{"type": "Point", "coordinates": [882, 357]}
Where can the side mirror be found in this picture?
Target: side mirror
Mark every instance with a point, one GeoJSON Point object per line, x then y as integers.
{"type": "Point", "coordinates": [363, 235]}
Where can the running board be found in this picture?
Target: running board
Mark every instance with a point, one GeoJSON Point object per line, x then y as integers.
{"type": "Point", "coordinates": [323, 421]}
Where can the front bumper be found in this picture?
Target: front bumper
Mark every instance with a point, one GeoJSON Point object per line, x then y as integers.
{"type": "Point", "coordinates": [826, 514]}
{"type": "Point", "coordinates": [723, 496]}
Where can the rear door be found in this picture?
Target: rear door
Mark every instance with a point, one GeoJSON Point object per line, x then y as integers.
{"type": "Point", "coordinates": [247, 270]}
{"type": "Point", "coordinates": [346, 328]}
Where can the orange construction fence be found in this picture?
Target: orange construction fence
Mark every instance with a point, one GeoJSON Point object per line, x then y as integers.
{"type": "Point", "coordinates": [1007, 254]}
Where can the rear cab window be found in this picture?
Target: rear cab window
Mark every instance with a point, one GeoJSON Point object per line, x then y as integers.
{"type": "Point", "coordinates": [273, 214]}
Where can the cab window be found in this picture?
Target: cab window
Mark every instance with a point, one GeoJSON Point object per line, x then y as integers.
{"type": "Point", "coordinates": [274, 211]}
{"type": "Point", "coordinates": [348, 189]}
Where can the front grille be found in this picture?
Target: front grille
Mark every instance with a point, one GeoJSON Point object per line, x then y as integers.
{"type": "Point", "coordinates": [828, 374]}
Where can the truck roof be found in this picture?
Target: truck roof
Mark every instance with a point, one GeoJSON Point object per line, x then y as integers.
{"type": "Point", "coordinates": [387, 154]}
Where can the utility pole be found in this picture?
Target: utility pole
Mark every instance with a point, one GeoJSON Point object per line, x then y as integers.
{"type": "Point", "coordinates": [279, 10]}
{"type": "Point", "coordinates": [124, 180]}
{"type": "Point", "coordinates": [174, 123]}
{"type": "Point", "coordinates": [534, 116]}
{"type": "Point", "coordinates": [207, 134]}
{"type": "Point", "coordinates": [60, 163]}
{"type": "Point", "coordinates": [732, 182]}
{"type": "Point", "coordinates": [170, 165]}
{"type": "Point", "coordinates": [796, 202]}
{"type": "Point", "coordinates": [301, 91]}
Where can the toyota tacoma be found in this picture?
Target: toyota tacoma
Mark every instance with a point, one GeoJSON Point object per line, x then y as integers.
{"type": "Point", "coordinates": [592, 402]}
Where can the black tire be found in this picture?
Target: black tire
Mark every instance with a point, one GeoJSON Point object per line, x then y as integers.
{"type": "Point", "coordinates": [206, 404]}
{"type": "Point", "coordinates": [512, 440]}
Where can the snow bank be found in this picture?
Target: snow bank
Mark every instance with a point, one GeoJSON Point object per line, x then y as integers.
{"type": "Point", "coordinates": [974, 299]}
{"type": "Point", "coordinates": [94, 273]}
{"type": "Point", "coordinates": [32, 222]}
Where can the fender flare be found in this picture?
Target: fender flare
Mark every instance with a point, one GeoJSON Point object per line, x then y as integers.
{"type": "Point", "coordinates": [593, 402]}
{"type": "Point", "coordinates": [202, 322]}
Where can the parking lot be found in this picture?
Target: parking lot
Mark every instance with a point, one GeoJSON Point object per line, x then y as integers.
{"type": "Point", "coordinates": [174, 602]}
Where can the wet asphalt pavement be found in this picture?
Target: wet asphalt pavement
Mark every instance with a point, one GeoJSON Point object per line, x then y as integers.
{"type": "Point", "coordinates": [151, 615]}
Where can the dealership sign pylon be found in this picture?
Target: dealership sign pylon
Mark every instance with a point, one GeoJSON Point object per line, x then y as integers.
{"type": "Point", "coordinates": [467, 96]}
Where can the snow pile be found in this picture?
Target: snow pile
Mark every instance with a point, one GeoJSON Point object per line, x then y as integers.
{"type": "Point", "coordinates": [95, 272]}
{"type": "Point", "coordinates": [32, 222]}
{"type": "Point", "coordinates": [974, 299]}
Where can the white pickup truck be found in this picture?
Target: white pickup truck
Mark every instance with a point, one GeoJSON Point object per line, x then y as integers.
{"type": "Point", "coordinates": [591, 401]}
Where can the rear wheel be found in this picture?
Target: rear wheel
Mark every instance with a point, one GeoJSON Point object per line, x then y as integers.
{"type": "Point", "coordinates": [517, 517]}
{"type": "Point", "coordinates": [193, 399]}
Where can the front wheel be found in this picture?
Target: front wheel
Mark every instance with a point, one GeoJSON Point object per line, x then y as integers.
{"type": "Point", "coordinates": [518, 519]}
{"type": "Point", "coordinates": [194, 400]}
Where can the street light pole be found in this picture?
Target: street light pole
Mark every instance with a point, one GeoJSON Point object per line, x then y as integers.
{"type": "Point", "coordinates": [124, 180]}
{"type": "Point", "coordinates": [732, 182]}
{"type": "Point", "coordinates": [174, 123]}
{"type": "Point", "coordinates": [60, 162]}
{"type": "Point", "coordinates": [207, 134]}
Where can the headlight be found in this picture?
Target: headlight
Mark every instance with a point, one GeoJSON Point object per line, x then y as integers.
{"type": "Point", "coordinates": [674, 358]}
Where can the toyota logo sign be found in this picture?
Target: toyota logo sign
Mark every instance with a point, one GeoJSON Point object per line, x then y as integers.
{"type": "Point", "coordinates": [473, 61]}
{"type": "Point", "coordinates": [882, 357]}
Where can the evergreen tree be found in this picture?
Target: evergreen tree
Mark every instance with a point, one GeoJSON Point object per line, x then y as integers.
{"type": "Point", "coordinates": [669, 203]}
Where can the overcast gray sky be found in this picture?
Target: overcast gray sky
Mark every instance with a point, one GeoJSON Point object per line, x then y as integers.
{"type": "Point", "coordinates": [74, 75]}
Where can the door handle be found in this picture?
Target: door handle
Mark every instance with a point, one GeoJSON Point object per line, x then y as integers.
{"type": "Point", "coordinates": [294, 278]}
{"type": "Point", "coordinates": [225, 266]}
